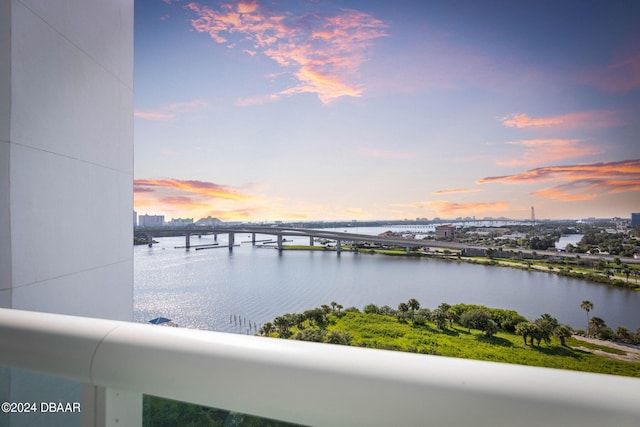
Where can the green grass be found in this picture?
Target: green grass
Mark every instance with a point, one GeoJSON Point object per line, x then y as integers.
{"type": "Point", "coordinates": [386, 332]}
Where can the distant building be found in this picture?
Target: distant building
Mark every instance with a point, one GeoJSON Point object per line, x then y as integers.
{"type": "Point", "coordinates": [151, 220]}
{"type": "Point", "coordinates": [180, 222]}
{"type": "Point", "coordinates": [635, 219]}
{"type": "Point", "coordinates": [445, 232]}
{"type": "Point", "coordinates": [208, 222]}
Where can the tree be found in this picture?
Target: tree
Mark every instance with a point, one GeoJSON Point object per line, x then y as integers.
{"type": "Point", "coordinates": [333, 305]}
{"type": "Point", "coordinates": [266, 329]}
{"type": "Point", "coordinates": [314, 335]}
{"type": "Point", "coordinates": [439, 318]}
{"type": "Point", "coordinates": [546, 325]}
{"type": "Point", "coordinates": [371, 309]}
{"type": "Point", "coordinates": [282, 324]}
{"type": "Point", "coordinates": [413, 305]}
{"type": "Point", "coordinates": [337, 337]}
{"type": "Point", "coordinates": [475, 318]}
{"type": "Point", "coordinates": [596, 325]}
{"type": "Point", "coordinates": [587, 306]}
{"type": "Point", "coordinates": [490, 328]}
{"type": "Point", "coordinates": [525, 329]}
{"type": "Point", "coordinates": [562, 332]}
{"type": "Point", "coordinates": [403, 308]}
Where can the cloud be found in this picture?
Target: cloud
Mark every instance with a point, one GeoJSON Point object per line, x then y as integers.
{"type": "Point", "coordinates": [449, 209]}
{"type": "Point", "coordinates": [550, 150]}
{"type": "Point", "coordinates": [199, 188]}
{"type": "Point", "coordinates": [578, 182]}
{"type": "Point", "coordinates": [323, 53]}
{"type": "Point", "coordinates": [622, 74]}
{"type": "Point", "coordinates": [585, 119]}
{"type": "Point", "coordinates": [459, 190]}
{"type": "Point", "coordinates": [169, 112]}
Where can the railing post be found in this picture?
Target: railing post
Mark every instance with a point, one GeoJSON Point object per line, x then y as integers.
{"type": "Point", "coordinates": [310, 240]}
{"type": "Point", "coordinates": [149, 240]}
{"type": "Point", "coordinates": [108, 407]}
{"type": "Point", "coordinates": [280, 242]}
{"type": "Point", "coordinates": [187, 241]}
{"type": "Point", "coordinates": [232, 237]}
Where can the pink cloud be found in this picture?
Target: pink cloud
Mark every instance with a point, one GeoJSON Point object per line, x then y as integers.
{"type": "Point", "coordinates": [622, 72]}
{"type": "Point", "coordinates": [169, 112]}
{"type": "Point", "coordinates": [586, 119]}
{"type": "Point", "coordinates": [549, 150]}
{"type": "Point", "coordinates": [323, 53]}
{"type": "Point", "coordinates": [448, 209]}
{"type": "Point", "coordinates": [454, 191]}
{"type": "Point", "coordinates": [189, 187]}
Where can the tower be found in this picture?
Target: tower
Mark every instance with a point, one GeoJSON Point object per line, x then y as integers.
{"type": "Point", "coordinates": [533, 215]}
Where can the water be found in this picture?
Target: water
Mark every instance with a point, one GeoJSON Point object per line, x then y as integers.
{"type": "Point", "coordinates": [204, 289]}
{"type": "Point", "coordinates": [566, 239]}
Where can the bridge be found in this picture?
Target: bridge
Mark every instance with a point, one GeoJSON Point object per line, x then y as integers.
{"type": "Point", "coordinates": [281, 232]}
{"type": "Point", "coordinates": [340, 237]}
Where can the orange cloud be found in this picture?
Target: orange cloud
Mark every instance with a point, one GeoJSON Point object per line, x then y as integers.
{"type": "Point", "coordinates": [169, 112]}
{"type": "Point", "coordinates": [550, 150]}
{"type": "Point", "coordinates": [449, 209]}
{"type": "Point", "coordinates": [578, 182]}
{"type": "Point", "coordinates": [586, 119]}
{"type": "Point", "coordinates": [322, 53]}
{"type": "Point", "coordinates": [459, 190]}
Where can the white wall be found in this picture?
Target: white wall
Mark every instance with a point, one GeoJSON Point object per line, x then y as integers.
{"type": "Point", "coordinates": [68, 157]}
{"type": "Point", "coordinates": [66, 171]}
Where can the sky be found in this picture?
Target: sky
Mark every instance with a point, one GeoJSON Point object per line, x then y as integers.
{"type": "Point", "coordinates": [310, 110]}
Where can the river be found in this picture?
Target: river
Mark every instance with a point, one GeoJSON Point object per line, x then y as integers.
{"type": "Point", "coordinates": [205, 289]}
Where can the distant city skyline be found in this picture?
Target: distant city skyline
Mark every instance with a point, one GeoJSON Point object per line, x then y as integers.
{"type": "Point", "coordinates": [359, 110]}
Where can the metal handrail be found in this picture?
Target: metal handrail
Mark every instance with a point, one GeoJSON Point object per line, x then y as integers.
{"type": "Point", "coordinates": [310, 383]}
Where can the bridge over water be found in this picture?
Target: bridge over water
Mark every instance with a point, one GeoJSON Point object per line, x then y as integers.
{"type": "Point", "coordinates": [280, 233]}
{"type": "Point", "coordinates": [340, 237]}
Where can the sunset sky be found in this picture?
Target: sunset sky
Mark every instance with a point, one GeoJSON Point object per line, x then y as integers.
{"type": "Point", "coordinates": [343, 110]}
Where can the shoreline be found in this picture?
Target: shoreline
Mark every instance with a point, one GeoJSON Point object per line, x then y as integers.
{"type": "Point", "coordinates": [557, 269]}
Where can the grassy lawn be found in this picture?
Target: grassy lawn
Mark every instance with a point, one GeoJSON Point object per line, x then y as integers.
{"type": "Point", "coordinates": [387, 332]}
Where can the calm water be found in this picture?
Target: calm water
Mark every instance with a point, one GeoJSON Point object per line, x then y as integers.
{"type": "Point", "coordinates": [205, 288]}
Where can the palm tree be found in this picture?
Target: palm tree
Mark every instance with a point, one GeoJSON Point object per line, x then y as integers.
{"type": "Point", "coordinates": [587, 306]}
{"type": "Point", "coordinates": [562, 332]}
{"type": "Point", "coordinates": [333, 305]}
{"type": "Point", "coordinates": [403, 308]}
{"type": "Point", "coordinates": [413, 305]}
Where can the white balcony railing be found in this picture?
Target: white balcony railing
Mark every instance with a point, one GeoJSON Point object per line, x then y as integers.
{"type": "Point", "coordinates": [309, 383]}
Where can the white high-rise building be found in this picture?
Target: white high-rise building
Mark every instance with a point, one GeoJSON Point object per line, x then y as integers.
{"type": "Point", "coordinates": [66, 154]}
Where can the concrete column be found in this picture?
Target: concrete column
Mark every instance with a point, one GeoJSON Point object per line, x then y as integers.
{"type": "Point", "coordinates": [253, 239]}
{"type": "Point", "coordinates": [149, 240]}
{"type": "Point", "coordinates": [338, 246]}
{"type": "Point", "coordinates": [310, 240]}
{"type": "Point", "coordinates": [187, 240]}
{"type": "Point", "coordinates": [408, 250]}
{"type": "Point", "coordinates": [279, 242]}
{"type": "Point", "coordinates": [232, 238]}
